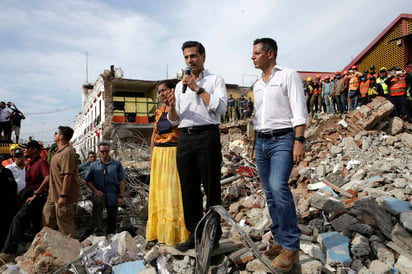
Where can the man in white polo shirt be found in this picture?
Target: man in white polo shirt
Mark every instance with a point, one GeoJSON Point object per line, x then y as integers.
{"type": "Point", "coordinates": [18, 169]}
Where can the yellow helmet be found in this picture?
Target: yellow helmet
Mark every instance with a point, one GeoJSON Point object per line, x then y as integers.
{"type": "Point", "coordinates": [309, 79]}
{"type": "Point", "coordinates": [14, 147]}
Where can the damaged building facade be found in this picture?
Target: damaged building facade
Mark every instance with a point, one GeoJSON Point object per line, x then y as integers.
{"type": "Point", "coordinates": [114, 109]}
{"type": "Point", "coordinates": [121, 111]}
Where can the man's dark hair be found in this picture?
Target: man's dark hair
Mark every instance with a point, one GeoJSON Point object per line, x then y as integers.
{"type": "Point", "coordinates": [409, 63]}
{"type": "Point", "coordinates": [169, 83]}
{"type": "Point", "coordinates": [103, 144]}
{"type": "Point", "coordinates": [267, 44]}
{"type": "Point", "coordinates": [191, 44]}
{"type": "Point", "coordinates": [67, 132]}
{"type": "Point", "coordinates": [91, 153]}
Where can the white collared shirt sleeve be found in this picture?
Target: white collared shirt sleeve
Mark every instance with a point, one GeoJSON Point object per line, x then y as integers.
{"type": "Point", "coordinates": [191, 109]}
{"type": "Point", "coordinates": [279, 103]}
{"type": "Point", "coordinates": [297, 100]}
{"type": "Point", "coordinates": [218, 98]}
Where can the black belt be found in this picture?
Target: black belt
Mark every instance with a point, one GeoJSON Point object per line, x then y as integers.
{"type": "Point", "coordinates": [274, 132]}
{"type": "Point", "coordinates": [197, 129]}
{"type": "Point", "coordinates": [168, 144]}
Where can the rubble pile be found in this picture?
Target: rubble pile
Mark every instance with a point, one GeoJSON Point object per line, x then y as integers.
{"type": "Point", "coordinates": [353, 196]}
{"type": "Point", "coordinates": [352, 193]}
{"type": "Point", "coordinates": [132, 215]}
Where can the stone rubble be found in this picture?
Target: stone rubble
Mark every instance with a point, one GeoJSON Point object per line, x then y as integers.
{"type": "Point", "coordinates": [352, 193]}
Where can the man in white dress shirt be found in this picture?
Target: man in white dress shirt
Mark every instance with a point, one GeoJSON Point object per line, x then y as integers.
{"type": "Point", "coordinates": [280, 118]}
{"type": "Point", "coordinates": [197, 110]}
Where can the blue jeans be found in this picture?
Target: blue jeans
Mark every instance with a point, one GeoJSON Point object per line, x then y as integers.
{"type": "Point", "coordinates": [353, 100]}
{"type": "Point", "coordinates": [330, 107]}
{"type": "Point", "coordinates": [341, 101]}
{"type": "Point", "coordinates": [274, 158]}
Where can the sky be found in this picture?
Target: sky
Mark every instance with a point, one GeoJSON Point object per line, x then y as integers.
{"type": "Point", "coordinates": [45, 45]}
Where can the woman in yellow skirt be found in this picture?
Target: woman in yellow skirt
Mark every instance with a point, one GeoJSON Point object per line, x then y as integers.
{"type": "Point", "coordinates": [165, 222]}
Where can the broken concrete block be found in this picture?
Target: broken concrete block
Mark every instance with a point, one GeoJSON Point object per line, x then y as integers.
{"type": "Point", "coordinates": [256, 265]}
{"type": "Point", "coordinates": [92, 240]}
{"type": "Point", "coordinates": [309, 265]}
{"type": "Point", "coordinates": [363, 229]}
{"type": "Point", "coordinates": [256, 234]}
{"type": "Point", "coordinates": [383, 253]}
{"type": "Point", "coordinates": [357, 265]}
{"type": "Point", "coordinates": [406, 139]}
{"type": "Point", "coordinates": [321, 170]}
{"type": "Point", "coordinates": [343, 222]}
{"type": "Point", "coordinates": [360, 245]}
{"type": "Point", "coordinates": [325, 202]}
{"type": "Point", "coordinates": [395, 206]}
{"type": "Point", "coordinates": [313, 250]}
{"type": "Point", "coordinates": [349, 145]}
{"type": "Point", "coordinates": [400, 183]}
{"type": "Point", "coordinates": [152, 254]}
{"type": "Point", "coordinates": [254, 201]}
{"type": "Point", "coordinates": [49, 251]}
{"type": "Point", "coordinates": [402, 238]}
{"type": "Point", "coordinates": [377, 267]}
{"type": "Point", "coordinates": [359, 174]}
{"type": "Point", "coordinates": [368, 116]}
{"type": "Point", "coordinates": [126, 243]}
{"type": "Point", "coordinates": [403, 264]}
{"type": "Point", "coordinates": [236, 146]}
{"type": "Point", "coordinates": [381, 216]}
{"type": "Point", "coordinates": [395, 125]}
{"type": "Point", "coordinates": [242, 256]}
{"type": "Point", "coordinates": [336, 247]}
{"type": "Point", "coordinates": [335, 150]}
{"type": "Point", "coordinates": [406, 220]}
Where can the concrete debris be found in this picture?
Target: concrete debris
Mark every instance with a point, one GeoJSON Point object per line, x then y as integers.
{"type": "Point", "coordinates": [352, 193]}
{"type": "Point", "coordinates": [49, 251]}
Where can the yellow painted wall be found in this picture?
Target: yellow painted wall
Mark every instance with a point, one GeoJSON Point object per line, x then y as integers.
{"type": "Point", "coordinates": [384, 53]}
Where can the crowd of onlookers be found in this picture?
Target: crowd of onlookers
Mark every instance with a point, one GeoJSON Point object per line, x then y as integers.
{"type": "Point", "coordinates": [346, 91]}
{"type": "Point", "coordinates": [10, 121]}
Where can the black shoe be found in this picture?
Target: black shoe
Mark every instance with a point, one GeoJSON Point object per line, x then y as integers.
{"type": "Point", "coordinates": [151, 244]}
{"type": "Point", "coordinates": [189, 244]}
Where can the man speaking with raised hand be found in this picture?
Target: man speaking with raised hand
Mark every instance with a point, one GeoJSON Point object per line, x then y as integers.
{"type": "Point", "coordinates": [198, 111]}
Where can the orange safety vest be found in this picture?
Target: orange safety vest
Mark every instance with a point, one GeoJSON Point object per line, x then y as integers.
{"type": "Point", "coordinates": [7, 162]}
{"type": "Point", "coordinates": [398, 86]}
{"type": "Point", "coordinates": [363, 89]}
{"type": "Point", "coordinates": [353, 83]}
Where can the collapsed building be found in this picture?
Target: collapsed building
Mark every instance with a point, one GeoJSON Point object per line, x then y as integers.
{"type": "Point", "coordinates": [352, 192]}
{"type": "Point", "coordinates": [121, 111]}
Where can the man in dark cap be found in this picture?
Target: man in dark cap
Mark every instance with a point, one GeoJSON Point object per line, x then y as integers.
{"type": "Point", "coordinates": [33, 197]}
{"type": "Point", "coordinates": [380, 82]}
{"type": "Point", "coordinates": [18, 169]}
{"type": "Point", "coordinates": [372, 72]}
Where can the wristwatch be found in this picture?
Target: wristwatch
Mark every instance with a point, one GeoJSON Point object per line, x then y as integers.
{"type": "Point", "coordinates": [300, 139]}
{"type": "Point", "coordinates": [200, 91]}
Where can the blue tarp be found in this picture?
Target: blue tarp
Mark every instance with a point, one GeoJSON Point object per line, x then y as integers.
{"type": "Point", "coordinates": [128, 268]}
